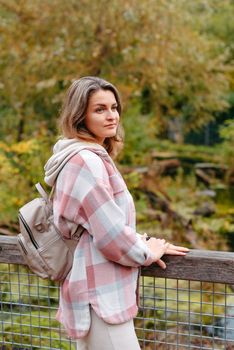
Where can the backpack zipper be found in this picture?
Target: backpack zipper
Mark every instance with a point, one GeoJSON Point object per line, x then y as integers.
{"type": "Point", "coordinates": [22, 245]}
{"type": "Point", "coordinates": [29, 231]}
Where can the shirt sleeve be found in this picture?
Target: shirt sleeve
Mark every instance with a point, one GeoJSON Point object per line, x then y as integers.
{"type": "Point", "coordinates": [115, 240]}
{"type": "Point", "coordinates": [106, 222]}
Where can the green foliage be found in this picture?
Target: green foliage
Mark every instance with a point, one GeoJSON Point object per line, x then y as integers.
{"type": "Point", "coordinates": [175, 68]}
{"type": "Point", "coordinates": [21, 166]}
{"type": "Point", "coordinates": [139, 136]}
{"type": "Point", "coordinates": [227, 133]}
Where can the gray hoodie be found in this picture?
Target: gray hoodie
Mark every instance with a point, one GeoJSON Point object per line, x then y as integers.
{"type": "Point", "coordinates": [63, 150]}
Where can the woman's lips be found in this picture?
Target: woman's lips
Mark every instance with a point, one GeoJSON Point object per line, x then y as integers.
{"type": "Point", "coordinates": [110, 126]}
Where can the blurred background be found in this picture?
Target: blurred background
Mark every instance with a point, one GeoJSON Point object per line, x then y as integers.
{"type": "Point", "coordinates": [173, 64]}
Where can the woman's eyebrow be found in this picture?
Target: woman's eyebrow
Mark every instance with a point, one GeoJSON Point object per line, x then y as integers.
{"type": "Point", "coordinates": [99, 104]}
{"type": "Point", "coordinates": [104, 104]}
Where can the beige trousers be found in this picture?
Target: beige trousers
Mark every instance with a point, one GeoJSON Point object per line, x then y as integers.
{"type": "Point", "coordinates": [105, 336]}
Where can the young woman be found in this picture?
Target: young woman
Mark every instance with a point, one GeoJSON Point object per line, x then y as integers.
{"type": "Point", "coordinates": [98, 299]}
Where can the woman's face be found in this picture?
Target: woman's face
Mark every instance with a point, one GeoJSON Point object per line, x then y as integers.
{"type": "Point", "coordinates": [102, 117]}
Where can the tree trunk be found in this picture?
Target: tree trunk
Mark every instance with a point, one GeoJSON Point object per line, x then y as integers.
{"type": "Point", "coordinates": [20, 129]}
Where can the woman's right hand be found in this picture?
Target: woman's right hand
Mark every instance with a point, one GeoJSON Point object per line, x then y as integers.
{"type": "Point", "coordinates": [158, 247]}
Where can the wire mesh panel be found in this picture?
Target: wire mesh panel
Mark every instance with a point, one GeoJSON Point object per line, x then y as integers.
{"type": "Point", "coordinates": [179, 314]}
{"type": "Point", "coordinates": [174, 314]}
{"type": "Point", "coordinates": [28, 308]}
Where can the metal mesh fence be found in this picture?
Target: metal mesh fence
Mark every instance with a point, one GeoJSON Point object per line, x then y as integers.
{"type": "Point", "coordinates": [174, 314]}
{"type": "Point", "coordinates": [179, 314]}
{"type": "Point", "coordinates": [28, 308]}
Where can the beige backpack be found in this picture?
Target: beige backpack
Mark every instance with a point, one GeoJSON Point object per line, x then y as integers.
{"type": "Point", "coordinates": [42, 245]}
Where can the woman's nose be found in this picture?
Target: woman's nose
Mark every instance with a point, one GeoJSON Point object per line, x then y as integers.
{"type": "Point", "coordinates": [110, 114]}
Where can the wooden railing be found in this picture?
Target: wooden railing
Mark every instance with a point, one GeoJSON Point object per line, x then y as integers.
{"type": "Point", "coordinates": [197, 265]}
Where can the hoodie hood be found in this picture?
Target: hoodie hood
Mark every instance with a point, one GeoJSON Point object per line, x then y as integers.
{"type": "Point", "coordinates": [63, 150]}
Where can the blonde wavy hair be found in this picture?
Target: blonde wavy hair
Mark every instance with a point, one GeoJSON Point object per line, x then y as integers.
{"type": "Point", "coordinates": [73, 112]}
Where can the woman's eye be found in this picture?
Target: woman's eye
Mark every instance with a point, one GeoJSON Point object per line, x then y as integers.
{"type": "Point", "coordinates": [99, 110]}
{"type": "Point", "coordinates": [114, 108]}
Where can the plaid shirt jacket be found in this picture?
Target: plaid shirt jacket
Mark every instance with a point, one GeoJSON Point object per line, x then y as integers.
{"type": "Point", "coordinates": [91, 192]}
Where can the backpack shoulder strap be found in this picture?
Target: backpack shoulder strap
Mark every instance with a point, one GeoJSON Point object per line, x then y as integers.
{"type": "Point", "coordinates": [42, 192]}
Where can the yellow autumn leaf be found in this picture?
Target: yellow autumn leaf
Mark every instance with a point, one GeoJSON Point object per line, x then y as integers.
{"type": "Point", "coordinates": [4, 147]}
{"type": "Point", "coordinates": [24, 147]}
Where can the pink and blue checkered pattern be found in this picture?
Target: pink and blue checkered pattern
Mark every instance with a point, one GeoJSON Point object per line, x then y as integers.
{"type": "Point", "coordinates": [91, 192]}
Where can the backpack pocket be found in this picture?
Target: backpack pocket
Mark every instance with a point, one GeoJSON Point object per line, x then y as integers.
{"type": "Point", "coordinates": [25, 227]}
{"type": "Point", "coordinates": [32, 257]}
{"type": "Point", "coordinates": [58, 257]}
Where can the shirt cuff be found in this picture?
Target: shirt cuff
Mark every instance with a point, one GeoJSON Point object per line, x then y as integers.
{"type": "Point", "coordinates": [149, 256]}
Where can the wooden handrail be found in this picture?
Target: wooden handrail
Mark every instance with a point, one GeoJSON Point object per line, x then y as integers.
{"type": "Point", "coordinates": [197, 265]}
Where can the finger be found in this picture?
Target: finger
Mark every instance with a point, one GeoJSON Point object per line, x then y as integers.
{"type": "Point", "coordinates": [144, 237]}
{"type": "Point", "coordinates": [175, 252]}
{"type": "Point", "coordinates": [161, 263]}
{"type": "Point", "coordinates": [179, 248]}
{"type": "Point", "coordinates": [183, 249]}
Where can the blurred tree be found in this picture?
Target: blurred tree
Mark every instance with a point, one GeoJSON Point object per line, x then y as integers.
{"type": "Point", "coordinates": [227, 134]}
{"type": "Point", "coordinates": [137, 45]}
{"type": "Point", "coordinates": [214, 19]}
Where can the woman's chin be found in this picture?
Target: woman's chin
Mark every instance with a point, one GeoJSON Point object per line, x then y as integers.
{"type": "Point", "coordinates": [110, 134]}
